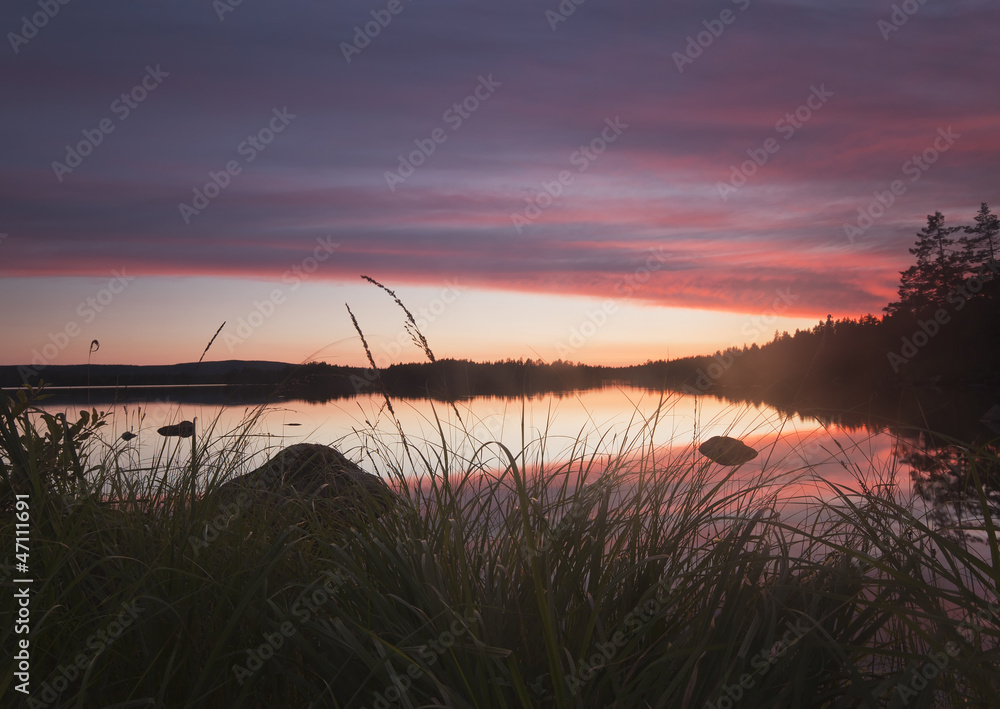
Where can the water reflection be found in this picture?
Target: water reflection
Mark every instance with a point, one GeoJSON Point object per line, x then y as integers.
{"type": "Point", "coordinates": [950, 477]}
{"type": "Point", "coordinates": [809, 456]}
{"type": "Point", "coordinates": [599, 421]}
{"type": "Point", "coordinates": [804, 460]}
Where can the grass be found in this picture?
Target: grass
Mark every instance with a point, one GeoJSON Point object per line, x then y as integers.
{"type": "Point", "coordinates": [611, 574]}
{"type": "Point", "coordinates": [601, 577]}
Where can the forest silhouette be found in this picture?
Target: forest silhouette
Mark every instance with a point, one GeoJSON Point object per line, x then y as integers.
{"type": "Point", "coordinates": [941, 334]}
{"type": "Point", "coordinates": [933, 352]}
{"type": "Point", "coordinates": [928, 363]}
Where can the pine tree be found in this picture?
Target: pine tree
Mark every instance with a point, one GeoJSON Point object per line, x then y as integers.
{"type": "Point", "coordinates": [982, 242]}
{"type": "Point", "coordinates": [938, 269]}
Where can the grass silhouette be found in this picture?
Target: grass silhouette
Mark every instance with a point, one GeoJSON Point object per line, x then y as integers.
{"type": "Point", "coordinates": [614, 573]}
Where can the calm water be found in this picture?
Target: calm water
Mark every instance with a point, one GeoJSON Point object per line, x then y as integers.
{"type": "Point", "coordinates": [575, 426]}
{"type": "Point", "coordinates": [594, 421]}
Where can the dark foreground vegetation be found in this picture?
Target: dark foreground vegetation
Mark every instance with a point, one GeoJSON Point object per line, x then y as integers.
{"type": "Point", "coordinates": [616, 577]}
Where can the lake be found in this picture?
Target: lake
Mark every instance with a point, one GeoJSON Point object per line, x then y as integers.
{"type": "Point", "coordinates": [799, 456]}
{"type": "Point", "coordinates": [592, 422]}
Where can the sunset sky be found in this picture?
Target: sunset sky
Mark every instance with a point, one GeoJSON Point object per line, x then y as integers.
{"type": "Point", "coordinates": [607, 182]}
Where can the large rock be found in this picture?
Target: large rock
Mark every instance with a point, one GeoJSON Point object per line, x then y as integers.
{"type": "Point", "coordinates": [311, 471]}
{"type": "Point", "coordinates": [727, 451]}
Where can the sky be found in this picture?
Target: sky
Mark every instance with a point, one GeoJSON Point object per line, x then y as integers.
{"type": "Point", "coordinates": [597, 181]}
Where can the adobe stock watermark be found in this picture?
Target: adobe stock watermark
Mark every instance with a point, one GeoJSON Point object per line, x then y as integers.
{"type": "Point", "coordinates": [220, 523]}
{"type": "Point", "coordinates": [293, 278]}
{"type": "Point", "coordinates": [901, 14]}
{"type": "Point", "coordinates": [930, 328]}
{"type": "Point", "coordinates": [363, 36]}
{"type": "Point", "coordinates": [636, 619]}
{"type": "Point", "coordinates": [60, 680]}
{"type": "Point", "coordinates": [87, 309]}
{"type": "Point", "coordinates": [425, 315]}
{"type": "Point", "coordinates": [697, 44]}
{"type": "Point", "coordinates": [762, 663]}
{"type": "Point", "coordinates": [596, 319]}
{"type": "Point", "coordinates": [563, 12]}
{"type": "Point", "coordinates": [224, 7]}
{"type": "Point", "coordinates": [250, 148]}
{"type": "Point", "coordinates": [307, 605]}
{"type": "Point", "coordinates": [705, 378]}
{"type": "Point", "coordinates": [122, 107]}
{"type": "Point", "coordinates": [582, 159]}
{"type": "Point", "coordinates": [578, 512]}
{"type": "Point", "coordinates": [31, 25]}
{"type": "Point", "coordinates": [914, 168]}
{"type": "Point", "coordinates": [454, 117]}
{"type": "Point", "coordinates": [429, 653]}
{"type": "Point", "coordinates": [922, 677]}
{"type": "Point", "coordinates": [979, 620]}
{"type": "Point", "coordinates": [786, 127]}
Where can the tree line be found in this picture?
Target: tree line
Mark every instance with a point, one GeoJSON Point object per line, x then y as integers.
{"type": "Point", "coordinates": [942, 330]}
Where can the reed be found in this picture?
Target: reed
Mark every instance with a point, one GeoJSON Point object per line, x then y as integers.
{"type": "Point", "coordinates": [602, 573]}
{"type": "Point", "coordinates": [611, 574]}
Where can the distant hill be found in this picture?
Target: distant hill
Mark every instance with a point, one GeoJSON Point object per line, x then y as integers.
{"type": "Point", "coordinates": [225, 372]}
{"type": "Point", "coordinates": [934, 353]}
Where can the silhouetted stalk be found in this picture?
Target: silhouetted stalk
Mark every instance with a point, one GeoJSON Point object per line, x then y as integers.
{"type": "Point", "coordinates": [209, 345]}
{"type": "Point", "coordinates": [417, 336]}
{"type": "Point", "coordinates": [378, 376]}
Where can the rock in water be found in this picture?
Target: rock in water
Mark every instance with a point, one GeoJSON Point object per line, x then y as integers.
{"type": "Point", "coordinates": [184, 429]}
{"type": "Point", "coordinates": [727, 451]}
{"type": "Point", "coordinates": [312, 471]}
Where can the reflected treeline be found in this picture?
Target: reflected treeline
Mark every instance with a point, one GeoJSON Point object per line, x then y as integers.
{"type": "Point", "coordinates": [852, 402]}
{"type": "Point", "coordinates": [953, 411]}
{"type": "Point", "coordinates": [931, 361]}
{"type": "Point", "coordinates": [950, 477]}
{"type": "Point", "coordinates": [446, 380]}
